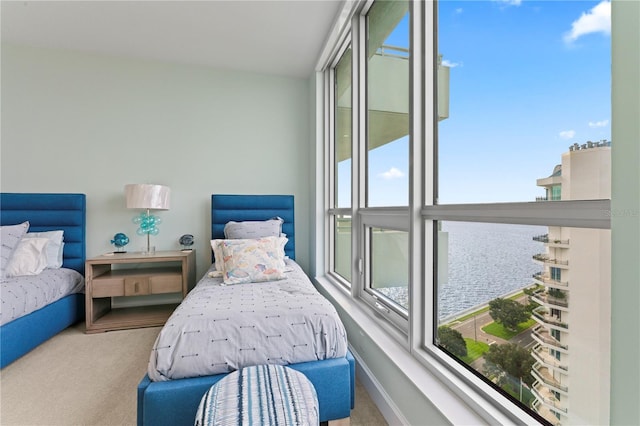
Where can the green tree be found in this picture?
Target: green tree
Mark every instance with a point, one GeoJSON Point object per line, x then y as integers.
{"type": "Point", "coordinates": [511, 359]}
{"type": "Point", "coordinates": [452, 341]}
{"type": "Point", "coordinates": [508, 312]}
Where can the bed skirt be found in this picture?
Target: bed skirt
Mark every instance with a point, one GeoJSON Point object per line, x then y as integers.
{"type": "Point", "coordinates": [175, 402]}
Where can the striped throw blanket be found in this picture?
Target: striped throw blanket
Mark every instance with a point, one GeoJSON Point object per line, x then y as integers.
{"type": "Point", "coordinates": [260, 395]}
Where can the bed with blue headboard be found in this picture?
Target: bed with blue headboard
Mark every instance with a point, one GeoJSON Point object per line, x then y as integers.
{"type": "Point", "coordinates": [175, 401]}
{"type": "Point", "coordinates": [46, 212]}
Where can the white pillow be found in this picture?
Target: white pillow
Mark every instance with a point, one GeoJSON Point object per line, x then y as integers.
{"type": "Point", "coordinates": [253, 260]}
{"type": "Point", "coordinates": [29, 258]}
{"type": "Point", "coordinates": [11, 236]}
{"type": "Point", "coordinates": [253, 229]}
{"type": "Point", "coordinates": [54, 248]}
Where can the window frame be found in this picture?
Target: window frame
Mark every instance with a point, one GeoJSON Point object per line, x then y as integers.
{"type": "Point", "coordinates": [330, 151]}
{"type": "Point", "coordinates": [420, 218]}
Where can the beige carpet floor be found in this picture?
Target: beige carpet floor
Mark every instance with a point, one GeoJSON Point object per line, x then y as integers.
{"type": "Point", "coordinates": [91, 379]}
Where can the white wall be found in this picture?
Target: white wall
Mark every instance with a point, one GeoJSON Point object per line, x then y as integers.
{"type": "Point", "coordinates": [625, 213]}
{"type": "Point", "coordinates": [75, 122]}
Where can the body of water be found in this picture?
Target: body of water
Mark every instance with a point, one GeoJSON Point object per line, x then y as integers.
{"type": "Point", "coordinates": [485, 261]}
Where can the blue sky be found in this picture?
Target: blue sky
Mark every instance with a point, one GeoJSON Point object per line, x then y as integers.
{"type": "Point", "coordinates": [527, 79]}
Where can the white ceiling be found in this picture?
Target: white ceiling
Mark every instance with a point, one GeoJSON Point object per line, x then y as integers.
{"type": "Point", "coordinates": [266, 36]}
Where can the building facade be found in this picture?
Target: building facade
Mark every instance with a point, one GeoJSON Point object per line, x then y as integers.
{"type": "Point", "coordinates": [572, 336]}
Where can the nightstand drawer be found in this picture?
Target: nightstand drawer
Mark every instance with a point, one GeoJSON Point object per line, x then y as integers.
{"type": "Point", "coordinates": [136, 286]}
{"type": "Point", "coordinates": [108, 287]}
{"type": "Point", "coordinates": [166, 284]}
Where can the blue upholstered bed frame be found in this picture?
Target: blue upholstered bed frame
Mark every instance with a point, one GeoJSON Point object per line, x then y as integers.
{"type": "Point", "coordinates": [45, 212]}
{"type": "Point", "coordinates": [176, 402]}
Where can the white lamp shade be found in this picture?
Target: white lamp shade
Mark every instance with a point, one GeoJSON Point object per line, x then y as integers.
{"type": "Point", "coordinates": [147, 196]}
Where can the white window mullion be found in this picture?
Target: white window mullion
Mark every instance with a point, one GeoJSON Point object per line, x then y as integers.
{"type": "Point", "coordinates": [419, 117]}
{"type": "Point", "coordinates": [330, 166]}
{"type": "Point", "coordinates": [570, 213]}
{"type": "Point", "coordinates": [359, 121]}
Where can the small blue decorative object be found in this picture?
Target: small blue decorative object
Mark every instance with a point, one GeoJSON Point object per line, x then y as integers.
{"type": "Point", "coordinates": [187, 241]}
{"type": "Point", "coordinates": [120, 240]}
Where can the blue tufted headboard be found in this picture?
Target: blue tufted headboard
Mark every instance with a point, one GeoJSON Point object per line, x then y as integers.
{"type": "Point", "coordinates": [50, 212]}
{"type": "Point", "coordinates": [225, 208]}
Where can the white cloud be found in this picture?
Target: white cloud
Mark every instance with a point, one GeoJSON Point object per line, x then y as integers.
{"type": "Point", "coordinates": [510, 2]}
{"type": "Point", "coordinates": [448, 63]}
{"type": "Point", "coordinates": [459, 10]}
{"type": "Point", "coordinates": [392, 173]}
{"type": "Point", "coordinates": [602, 123]}
{"type": "Point", "coordinates": [597, 20]}
{"type": "Point", "coordinates": [567, 134]}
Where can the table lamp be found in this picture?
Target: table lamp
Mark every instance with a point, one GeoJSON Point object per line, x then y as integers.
{"type": "Point", "coordinates": [148, 197]}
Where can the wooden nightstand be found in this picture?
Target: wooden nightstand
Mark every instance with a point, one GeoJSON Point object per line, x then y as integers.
{"type": "Point", "coordinates": [130, 275]}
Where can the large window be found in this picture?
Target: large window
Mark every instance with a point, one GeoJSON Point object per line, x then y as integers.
{"type": "Point", "coordinates": [479, 171]}
{"type": "Point", "coordinates": [522, 128]}
{"type": "Point", "coordinates": [387, 76]}
{"type": "Point", "coordinates": [342, 166]}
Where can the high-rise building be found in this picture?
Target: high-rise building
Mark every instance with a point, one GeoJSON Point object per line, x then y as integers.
{"type": "Point", "coordinates": [572, 335]}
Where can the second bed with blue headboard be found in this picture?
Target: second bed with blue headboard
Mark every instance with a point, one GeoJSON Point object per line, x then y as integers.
{"type": "Point", "coordinates": [34, 309]}
{"type": "Point", "coordinates": [221, 327]}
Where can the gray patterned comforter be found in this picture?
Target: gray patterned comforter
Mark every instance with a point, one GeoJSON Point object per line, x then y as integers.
{"type": "Point", "coordinates": [25, 294]}
{"type": "Point", "coordinates": [219, 329]}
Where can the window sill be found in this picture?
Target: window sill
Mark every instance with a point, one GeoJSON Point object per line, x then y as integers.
{"type": "Point", "coordinates": [456, 400]}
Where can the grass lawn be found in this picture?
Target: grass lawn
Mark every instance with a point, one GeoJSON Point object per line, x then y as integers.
{"type": "Point", "coordinates": [498, 330]}
{"type": "Point", "coordinates": [474, 350]}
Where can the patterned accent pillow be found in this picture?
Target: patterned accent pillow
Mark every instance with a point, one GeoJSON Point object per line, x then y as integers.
{"type": "Point", "coordinates": [254, 229]}
{"type": "Point", "coordinates": [254, 260]}
{"type": "Point", "coordinates": [11, 236]}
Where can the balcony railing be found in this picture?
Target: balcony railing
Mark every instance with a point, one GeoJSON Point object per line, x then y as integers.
{"type": "Point", "coordinates": [546, 198]}
{"type": "Point", "coordinates": [395, 51]}
{"type": "Point", "coordinates": [541, 373]}
{"type": "Point", "coordinates": [542, 314]}
{"type": "Point", "coordinates": [558, 241]}
{"type": "Point", "coordinates": [545, 396]}
{"type": "Point", "coordinates": [544, 298]}
{"type": "Point", "coordinates": [545, 239]}
{"type": "Point", "coordinates": [542, 336]}
{"type": "Point", "coordinates": [546, 279]}
{"type": "Point", "coordinates": [543, 257]}
{"type": "Point", "coordinates": [541, 238]}
{"type": "Point", "coordinates": [541, 354]}
{"type": "Point", "coordinates": [545, 413]}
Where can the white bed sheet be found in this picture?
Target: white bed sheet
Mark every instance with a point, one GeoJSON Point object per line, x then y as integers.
{"type": "Point", "coordinates": [25, 294]}
{"type": "Point", "coordinates": [219, 329]}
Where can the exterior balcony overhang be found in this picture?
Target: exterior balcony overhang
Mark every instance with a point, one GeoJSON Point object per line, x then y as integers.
{"type": "Point", "coordinates": [542, 317]}
{"type": "Point", "coordinates": [550, 181]}
{"type": "Point", "coordinates": [541, 354]}
{"type": "Point", "coordinates": [544, 299]}
{"type": "Point", "coordinates": [546, 260]}
{"type": "Point", "coordinates": [543, 375]}
{"type": "Point", "coordinates": [545, 280]}
{"type": "Point", "coordinates": [546, 413]}
{"type": "Point", "coordinates": [546, 397]}
{"type": "Point", "coordinates": [387, 100]}
{"type": "Point", "coordinates": [561, 244]}
{"type": "Point", "coordinates": [541, 335]}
